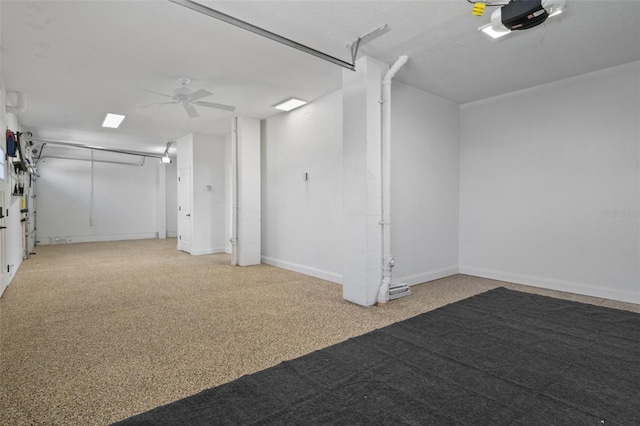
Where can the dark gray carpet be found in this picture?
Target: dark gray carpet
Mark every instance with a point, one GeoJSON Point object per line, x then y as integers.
{"type": "Point", "coordinates": [498, 358]}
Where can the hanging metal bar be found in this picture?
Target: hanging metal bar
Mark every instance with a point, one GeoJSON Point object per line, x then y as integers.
{"type": "Point", "coordinates": [64, 157]}
{"type": "Point", "coordinates": [98, 148]}
{"type": "Point", "coordinates": [261, 31]}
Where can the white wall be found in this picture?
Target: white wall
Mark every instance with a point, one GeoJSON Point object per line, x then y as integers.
{"type": "Point", "coordinates": [12, 236]}
{"type": "Point", "coordinates": [302, 220]}
{"type": "Point", "coordinates": [204, 156]}
{"type": "Point", "coordinates": [424, 185]}
{"type": "Point", "coordinates": [550, 188]}
{"type": "Point", "coordinates": [123, 205]}
{"type": "Point", "coordinates": [208, 194]}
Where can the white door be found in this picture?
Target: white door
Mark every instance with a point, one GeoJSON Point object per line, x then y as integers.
{"type": "Point", "coordinates": [184, 209]}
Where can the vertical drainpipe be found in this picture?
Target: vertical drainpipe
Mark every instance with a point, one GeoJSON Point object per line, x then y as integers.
{"type": "Point", "coordinates": [385, 160]}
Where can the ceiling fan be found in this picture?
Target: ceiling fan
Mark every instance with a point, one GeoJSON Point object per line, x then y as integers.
{"type": "Point", "coordinates": [188, 98]}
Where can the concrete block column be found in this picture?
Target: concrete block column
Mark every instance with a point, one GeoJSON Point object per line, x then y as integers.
{"type": "Point", "coordinates": [362, 272]}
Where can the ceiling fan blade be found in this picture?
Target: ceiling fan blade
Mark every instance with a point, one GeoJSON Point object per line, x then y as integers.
{"type": "Point", "coordinates": [191, 111]}
{"type": "Point", "coordinates": [199, 94]}
{"type": "Point", "coordinates": [159, 103]}
{"type": "Point", "coordinates": [157, 93]}
{"type": "Point", "coordinates": [214, 105]}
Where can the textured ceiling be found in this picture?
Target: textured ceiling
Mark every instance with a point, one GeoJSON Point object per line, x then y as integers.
{"type": "Point", "coordinates": [77, 60]}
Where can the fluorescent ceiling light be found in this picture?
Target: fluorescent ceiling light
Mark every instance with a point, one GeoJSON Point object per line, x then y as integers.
{"type": "Point", "coordinates": [289, 104]}
{"type": "Point", "coordinates": [488, 30]}
{"type": "Point", "coordinates": [112, 120]}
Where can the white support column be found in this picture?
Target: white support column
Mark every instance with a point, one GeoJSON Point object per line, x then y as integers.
{"type": "Point", "coordinates": [362, 190]}
{"type": "Point", "coordinates": [161, 199]}
{"type": "Point", "coordinates": [249, 243]}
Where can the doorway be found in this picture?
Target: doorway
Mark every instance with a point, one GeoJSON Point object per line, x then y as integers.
{"type": "Point", "coordinates": [184, 209]}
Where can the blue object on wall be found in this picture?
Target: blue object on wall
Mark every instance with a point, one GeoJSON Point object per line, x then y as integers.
{"type": "Point", "coordinates": [11, 144]}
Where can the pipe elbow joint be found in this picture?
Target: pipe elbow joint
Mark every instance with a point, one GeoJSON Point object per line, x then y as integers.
{"type": "Point", "coordinates": [399, 63]}
{"type": "Point", "coordinates": [383, 292]}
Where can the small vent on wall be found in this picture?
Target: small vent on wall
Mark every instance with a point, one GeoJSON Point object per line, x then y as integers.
{"type": "Point", "coordinates": [398, 289]}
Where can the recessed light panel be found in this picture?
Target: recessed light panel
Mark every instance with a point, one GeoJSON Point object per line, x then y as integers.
{"type": "Point", "coordinates": [289, 104]}
{"type": "Point", "coordinates": [112, 120]}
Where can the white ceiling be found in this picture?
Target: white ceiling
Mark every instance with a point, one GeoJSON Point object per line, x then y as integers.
{"type": "Point", "coordinates": [77, 60]}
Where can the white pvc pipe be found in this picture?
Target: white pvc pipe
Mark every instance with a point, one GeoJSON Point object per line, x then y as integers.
{"type": "Point", "coordinates": [387, 259]}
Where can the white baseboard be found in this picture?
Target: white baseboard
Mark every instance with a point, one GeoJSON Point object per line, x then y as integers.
{"type": "Point", "coordinates": [43, 240]}
{"type": "Point", "coordinates": [424, 277]}
{"type": "Point", "coordinates": [307, 270]}
{"type": "Point", "coordinates": [200, 252]}
{"type": "Point", "coordinates": [553, 284]}
{"type": "Point", "coordinates": [172, 234]}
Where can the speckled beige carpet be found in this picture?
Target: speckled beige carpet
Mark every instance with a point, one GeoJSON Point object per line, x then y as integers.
{"type": "Point", "coordinates": [94, 333]}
